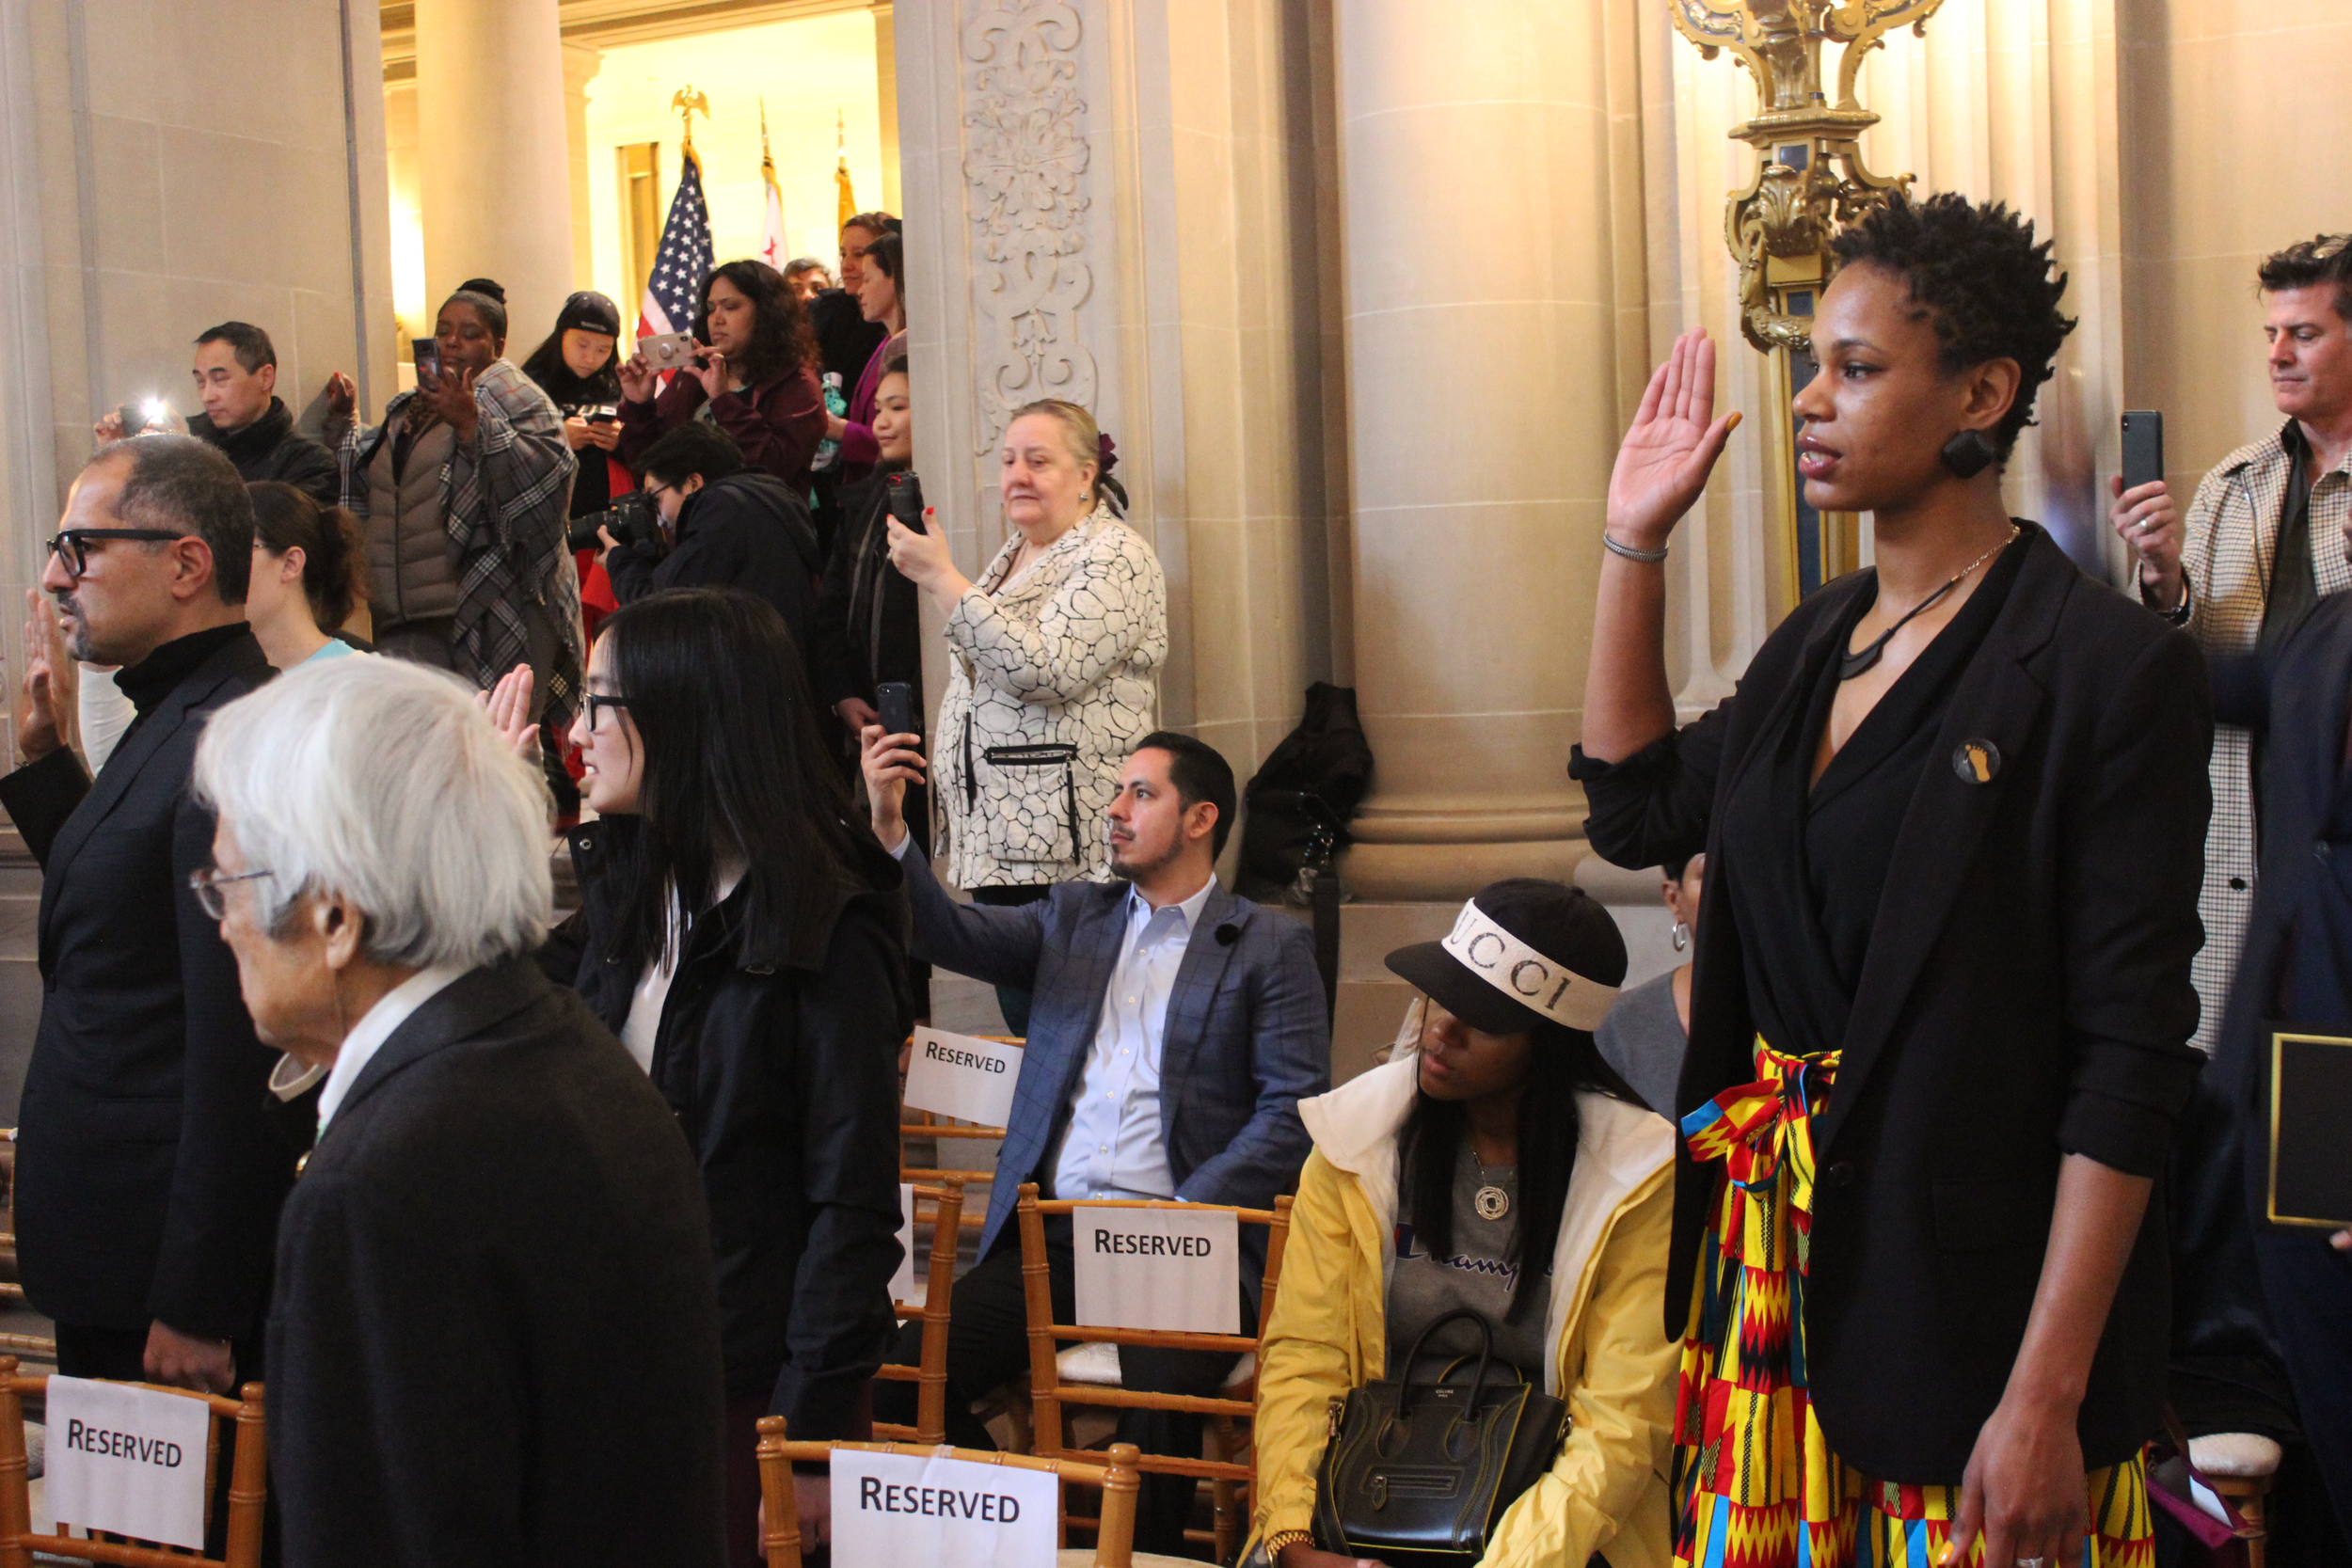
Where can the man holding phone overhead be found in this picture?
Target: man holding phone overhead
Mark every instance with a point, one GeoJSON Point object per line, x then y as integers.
{"type": "Point", "coordinates": [2262, 541]}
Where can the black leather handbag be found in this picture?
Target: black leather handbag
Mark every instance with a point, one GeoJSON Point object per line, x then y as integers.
{"type": "Point", "coordinates": [1419, 1474]}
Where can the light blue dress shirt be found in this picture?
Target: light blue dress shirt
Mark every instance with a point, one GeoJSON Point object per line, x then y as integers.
{"type": "Point", "coordinates": [1114, 1146]}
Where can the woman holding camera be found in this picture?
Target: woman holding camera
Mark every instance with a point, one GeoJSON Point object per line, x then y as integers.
{"type": "Point", "coordinates": [1502, 1168]}
{"type": "Point", "coordinates": [1953, 821]}
{"type": "Point", "coordinates": [579, 368]}
{"type": "Point", "coordinates": [740, 932]}
{"type": "Point", "coordinates": [1058, 652]}
{"type": "Point", "coordinates": [754, 364]}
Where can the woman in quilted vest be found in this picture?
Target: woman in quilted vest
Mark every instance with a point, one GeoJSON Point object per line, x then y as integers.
{"type": "Point", "coordinates": [1055, 676]}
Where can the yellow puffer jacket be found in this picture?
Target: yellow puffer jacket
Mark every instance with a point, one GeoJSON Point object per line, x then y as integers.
{"type": "Point", "coordinates": [1616, 1368]}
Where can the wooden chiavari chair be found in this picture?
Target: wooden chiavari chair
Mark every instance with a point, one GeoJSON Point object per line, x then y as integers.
{"type": "Point", "coordinates": [247, 1479]}
{"type": "Point", "coordinates": [931, 1376]}
{"type": "Point", "coordinates": [1117, 1477]}
{"type": "Point", "coordinates": [1052, 1387]}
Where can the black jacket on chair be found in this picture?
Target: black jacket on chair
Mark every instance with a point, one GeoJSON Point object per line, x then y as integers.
{"type": "Point", "coordinates": [783, 1071]}
{"type": "Point", "coordinates": [149, 1170]}
{"type": "Point", "coordinates": [747, 530]}
{"type": "Point", "coordinates": [2026, 995]}
{"type": "Point", "coordinates": [493, 1340]}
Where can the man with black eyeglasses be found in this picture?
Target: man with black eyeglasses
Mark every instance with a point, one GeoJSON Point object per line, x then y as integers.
{"type": "Point", "coordinates": [148, 1175]}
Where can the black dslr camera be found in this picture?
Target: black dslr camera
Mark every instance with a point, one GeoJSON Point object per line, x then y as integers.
{"type": "Point", "coordinates": [630, 518]}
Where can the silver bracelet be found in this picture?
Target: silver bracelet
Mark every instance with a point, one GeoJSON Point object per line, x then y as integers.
{"type": "Point", "coordinates": [1647, 557]}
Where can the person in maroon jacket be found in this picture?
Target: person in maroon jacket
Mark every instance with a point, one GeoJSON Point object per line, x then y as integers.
{"type": "Point", "coordinates": [757, 369]}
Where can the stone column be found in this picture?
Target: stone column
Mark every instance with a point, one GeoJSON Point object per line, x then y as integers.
{"type": "Point", "coordinates": [498, 177]}
{"type": "Point", "coordinates": [580, 65]}
{"type": "Point", "coordinates": [886, 98]}
{"type": "Point", "coordinates": [1484, 300]}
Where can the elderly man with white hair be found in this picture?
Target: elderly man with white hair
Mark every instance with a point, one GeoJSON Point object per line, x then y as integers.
{"type": "Point", "coordinates": [495, 1337]}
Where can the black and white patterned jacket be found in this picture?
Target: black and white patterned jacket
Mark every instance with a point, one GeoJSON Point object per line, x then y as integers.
{"type": "Point", "coordinates": [1055, 676]}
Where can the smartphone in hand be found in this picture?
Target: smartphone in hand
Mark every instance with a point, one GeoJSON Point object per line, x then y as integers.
{"type": "Point", "coordinates": [426, 352]}
{"type": "Point", "coordinates": [894, 701]}
{"type": "Point", "coordinates": [2144, 447]}
{"type": "Point", "coordinates": [906, 500]}
{"type": "Point", "coordinates": [668, 351]}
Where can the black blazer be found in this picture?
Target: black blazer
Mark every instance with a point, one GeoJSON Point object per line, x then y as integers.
{"type": "Point", "coordinates": [495, 1340]}
{"type": "Point", "coordinates": [782, 1069]}
{"type": "Point", "coordinates": [2026, 995]}
{"type": "Point", "coordinates": [2299, 699]}
{"type": "Point", "coordinates": [149, 1170]}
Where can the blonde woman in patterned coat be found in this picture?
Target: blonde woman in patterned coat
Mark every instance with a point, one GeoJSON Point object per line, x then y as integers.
{"type": "Point", "coordinates": [1058, 649]}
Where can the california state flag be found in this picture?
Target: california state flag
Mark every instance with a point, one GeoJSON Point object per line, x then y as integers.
{"type": "Point", "coordinates": [772, 221]}
{"type": "Point", "coordinates": [772, 226]}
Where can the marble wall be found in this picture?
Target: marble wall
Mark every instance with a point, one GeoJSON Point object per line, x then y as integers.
{"type": "Point", "coordinates": [169, 164]}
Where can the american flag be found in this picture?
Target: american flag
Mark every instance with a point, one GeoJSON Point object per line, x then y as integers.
{"type": "Point", "coordinates": [673, 290]}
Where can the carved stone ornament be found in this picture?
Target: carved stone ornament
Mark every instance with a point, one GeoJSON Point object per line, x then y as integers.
{"type": "Point", "coordinates": [1026, 161]}
{"type": "Point", "coordinates": [1810, 180]}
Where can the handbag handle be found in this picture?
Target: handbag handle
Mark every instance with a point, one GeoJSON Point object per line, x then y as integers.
{"type": "Point", "coordinates": [1485, 1356]}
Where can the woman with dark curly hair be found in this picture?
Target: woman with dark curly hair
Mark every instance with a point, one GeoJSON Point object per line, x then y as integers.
{"type": "Point", "coordinates": [1953, 820]}
{"type": "Point", "coordinates": [755, 377]}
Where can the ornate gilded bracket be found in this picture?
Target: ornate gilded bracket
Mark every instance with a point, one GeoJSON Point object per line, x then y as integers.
{"type": "Point", "coordinates": [1810, 179]}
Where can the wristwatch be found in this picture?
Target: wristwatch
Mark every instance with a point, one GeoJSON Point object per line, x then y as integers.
{"type": "Point", "coordinates": [2178, 615]}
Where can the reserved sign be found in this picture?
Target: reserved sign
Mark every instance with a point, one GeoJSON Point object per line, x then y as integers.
{"type": "Point", "coordinates": [955, 1075]}
{"type": "Point", "coordinates": [904, 1508]}
{"type": "Point", "coordinates": [1158, 1268]}
{"type": "Point", "coordinates": [127, 1459]}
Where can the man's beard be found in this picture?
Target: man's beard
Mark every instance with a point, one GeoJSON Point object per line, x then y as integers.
{"type": "Point", "coordinates": [1134, 870]}
{"type": "Point", "coordinates": [77, 637]}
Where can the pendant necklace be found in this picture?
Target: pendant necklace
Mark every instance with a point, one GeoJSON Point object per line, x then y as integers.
{"type": "Point", "coordinates": [1862, 663]}
{"type": "Point", "coordinates": [1492, 1201]}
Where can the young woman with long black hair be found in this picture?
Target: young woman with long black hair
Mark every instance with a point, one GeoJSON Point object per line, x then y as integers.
{"type": "Point", "coordinates": [578, 367]}
{"type": "Point", "coordinates": [1954, 822]}
{"type": "Point", "coordinates": [740, 932]}
{"type": "Point", "coordinates": [1495, 1165]}
{"type": "Point", "coordinates": [757, 368]}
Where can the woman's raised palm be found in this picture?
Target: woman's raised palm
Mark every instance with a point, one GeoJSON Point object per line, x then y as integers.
{"type": "Point", "coordinates": [1666, 455]}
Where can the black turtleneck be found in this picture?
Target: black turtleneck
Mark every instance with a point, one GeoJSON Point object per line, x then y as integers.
{"type": "Point", "coordinates": [154, 677]}
{"type": "Point", "coordinates": [252, 442]}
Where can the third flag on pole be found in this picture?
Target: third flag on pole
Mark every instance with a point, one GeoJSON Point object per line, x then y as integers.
{"type": "Point", "coordinates": [772, 221]}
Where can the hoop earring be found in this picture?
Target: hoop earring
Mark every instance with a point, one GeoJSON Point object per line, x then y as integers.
{"type": "Point", "coordinates": [1968, 453]}
{"type": "Point", "coordinates": [1681, 936]}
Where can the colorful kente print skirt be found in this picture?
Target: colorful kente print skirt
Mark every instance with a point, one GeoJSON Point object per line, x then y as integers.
{"type": "Point", "coordinates": [1756, 1484]}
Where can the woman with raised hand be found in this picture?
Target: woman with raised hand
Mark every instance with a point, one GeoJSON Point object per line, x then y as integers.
{"type": "Point", "coordinates": [1953, 821]}
{"type": "Point", "coordinates": [739, 930]}
{"type": "Point", "coordinates": [1058, 652]}
{"type": "Point", "coordinates": [755, 368]}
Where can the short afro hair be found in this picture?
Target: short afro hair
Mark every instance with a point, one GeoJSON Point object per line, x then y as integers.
{"type": "Point", "coordinates": [1980, 278]}
{"type": "Point", "coordinates": [2325, 261]}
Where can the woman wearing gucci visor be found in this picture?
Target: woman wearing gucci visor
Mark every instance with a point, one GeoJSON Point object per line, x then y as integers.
{"type": "Point", "coordinates": [1499, 1166]}
{"type": "Point", "coordinates": [1954, 820]}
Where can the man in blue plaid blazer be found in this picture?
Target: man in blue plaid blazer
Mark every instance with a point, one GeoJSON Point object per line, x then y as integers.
{"type": "Point", "coordinates": [1174, 1030]}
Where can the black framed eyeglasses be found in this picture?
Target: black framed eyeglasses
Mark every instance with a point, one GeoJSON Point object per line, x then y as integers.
{"type": "Point", "coordinates": [597, 702]}
{"type": "Point", "coordinates": [207, 881]}
{"type": "Point", "coordinates": [74, 544]}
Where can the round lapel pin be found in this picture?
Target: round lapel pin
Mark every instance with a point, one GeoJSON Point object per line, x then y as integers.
{"type": "Point", "coordinates": [1976, 761]}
